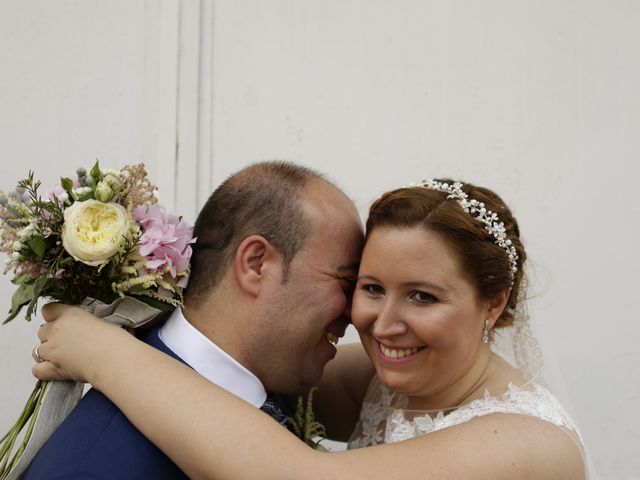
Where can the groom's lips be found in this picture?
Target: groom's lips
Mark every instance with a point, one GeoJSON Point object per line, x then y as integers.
{"type": "Point", "coordinates": [335, 331]}
{"type": "Point", "coordinates": [332, 337]}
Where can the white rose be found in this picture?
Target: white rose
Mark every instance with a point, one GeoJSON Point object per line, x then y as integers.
{"type": "Point", "coordinates": [93, 231]}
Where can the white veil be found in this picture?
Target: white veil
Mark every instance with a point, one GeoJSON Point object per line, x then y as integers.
{"type": "Point", "coordinates": [520, 347]}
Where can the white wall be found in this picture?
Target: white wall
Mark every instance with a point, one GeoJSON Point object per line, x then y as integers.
{"type": "Point", "coordinates": [80, 81]}
{"type": "Point", "coordinates": [72, 91]}
{"type": "Point", "coordinates": [535, 99]}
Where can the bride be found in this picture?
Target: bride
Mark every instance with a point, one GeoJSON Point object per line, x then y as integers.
{"type": "Point", "coordinates": [439, 308]}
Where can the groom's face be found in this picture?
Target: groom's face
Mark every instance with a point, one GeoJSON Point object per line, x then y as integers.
{"type": "Point", "coordinates": [312, 309]}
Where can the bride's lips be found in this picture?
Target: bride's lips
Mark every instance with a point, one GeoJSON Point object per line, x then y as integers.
{"type": "Point", "coordinates": [397, 354]}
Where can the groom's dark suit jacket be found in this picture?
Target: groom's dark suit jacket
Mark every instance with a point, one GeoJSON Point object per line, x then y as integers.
{"type": "Point", "coordinates": [96, 441]}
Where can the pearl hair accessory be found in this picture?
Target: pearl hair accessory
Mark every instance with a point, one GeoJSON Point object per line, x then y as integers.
{"type": "Point", "coordinates": [477, 209]}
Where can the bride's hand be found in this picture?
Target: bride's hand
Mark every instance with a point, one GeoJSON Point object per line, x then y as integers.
{"type": "Point", "coordinates": [73, 343]}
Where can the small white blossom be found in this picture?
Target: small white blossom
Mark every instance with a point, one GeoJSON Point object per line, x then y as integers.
{"type": "Point", "coordinates": [110, 171]}
{"type": "Point", "coordinates": [26, 232]}
{"type": "Point", "coordinates": [82, 190]}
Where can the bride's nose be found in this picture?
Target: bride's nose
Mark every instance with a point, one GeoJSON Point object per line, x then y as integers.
{"type": "Point", "coordinates": [389, 321]}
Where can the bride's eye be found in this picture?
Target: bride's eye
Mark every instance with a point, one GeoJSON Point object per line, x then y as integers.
{"type": "Point", "coordinates": [422, 298]}
{"type": "Point", "coordinates": [373, 289]}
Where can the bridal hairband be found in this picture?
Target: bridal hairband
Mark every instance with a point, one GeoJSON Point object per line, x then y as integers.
{"type": "Point", "coordinates": [477, 209]}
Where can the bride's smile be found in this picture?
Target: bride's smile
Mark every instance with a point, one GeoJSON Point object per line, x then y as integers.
{"type": "Point", "coordinates": [398, 354]}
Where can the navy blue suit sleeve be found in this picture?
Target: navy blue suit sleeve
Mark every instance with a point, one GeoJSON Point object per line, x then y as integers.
{"type": "Point", "coordinates": [96, 441]}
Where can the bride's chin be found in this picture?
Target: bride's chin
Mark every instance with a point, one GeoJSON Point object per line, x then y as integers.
{"type": "Point", "coordinates": [393, 381]}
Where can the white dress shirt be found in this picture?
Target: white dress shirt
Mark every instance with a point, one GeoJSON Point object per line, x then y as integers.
{"type": "Point", "coordinates": [209, 360]}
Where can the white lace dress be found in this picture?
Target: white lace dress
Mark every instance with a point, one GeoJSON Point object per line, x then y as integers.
{"type": "Point", "coordinates": [384, 418]}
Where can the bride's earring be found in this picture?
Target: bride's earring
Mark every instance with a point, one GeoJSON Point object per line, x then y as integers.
{"type": "Point", "coordinates": [485, 332]}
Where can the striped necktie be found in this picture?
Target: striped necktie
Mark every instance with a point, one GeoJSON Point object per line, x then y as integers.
{"type": "Point", "coordinates": [271, 408]}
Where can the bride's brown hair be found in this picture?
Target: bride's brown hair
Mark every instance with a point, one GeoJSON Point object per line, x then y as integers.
{"type": "Point", "coordinates": [484, 262]}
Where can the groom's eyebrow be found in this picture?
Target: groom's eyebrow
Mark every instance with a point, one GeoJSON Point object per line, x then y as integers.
{"type": "Point", "coordinates": [348, 267]}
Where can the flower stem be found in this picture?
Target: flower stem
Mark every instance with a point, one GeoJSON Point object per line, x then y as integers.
{"type": "Point", "coordinates": [32, 422]}
{"type": "Point", "coordinates": [29, 414]}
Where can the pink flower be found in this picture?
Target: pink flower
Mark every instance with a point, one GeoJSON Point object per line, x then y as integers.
{"type": "Point", "coordinates": [54, 192]}
{"type": "Point", "coordinates": [166, 240]}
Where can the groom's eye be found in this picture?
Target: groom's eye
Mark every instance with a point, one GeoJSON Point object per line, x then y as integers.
{"type": "Point", "coordinates": [348, 284]}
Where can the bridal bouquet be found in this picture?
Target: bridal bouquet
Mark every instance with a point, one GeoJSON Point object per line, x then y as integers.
{"type": "Point", "coordinates": [97, 239]}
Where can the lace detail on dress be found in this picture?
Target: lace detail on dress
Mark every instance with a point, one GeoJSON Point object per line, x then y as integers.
{"type": "Point", "coordinates": [388, 415]}
{"type": "Point", "coordinates": [373, 415]}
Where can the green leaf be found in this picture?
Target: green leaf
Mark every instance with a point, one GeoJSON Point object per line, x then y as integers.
{"type": "Point", "coordinates": [95, 173]}
{"type": "Point", "coordinates": [21, 297]}
{"type": "Point", "coordinates": [38, 286]}
{"type": "Point", "coordinates": [13, 313]}
{"type": "Point", "coordinates": [39, 246]}
{"type": "Point", "coordinates": [66, 261]}
{"type": "Point", "coordinates": [20, 279]}
{"type": "Point", "coordinates": [67, 184]}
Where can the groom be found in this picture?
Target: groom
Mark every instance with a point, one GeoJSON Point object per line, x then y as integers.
{"type": "Point", "coordinates": [269, 294]}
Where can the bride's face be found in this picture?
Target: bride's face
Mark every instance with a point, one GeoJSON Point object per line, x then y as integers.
{"type": "Point", "coordinates": [418, 315]}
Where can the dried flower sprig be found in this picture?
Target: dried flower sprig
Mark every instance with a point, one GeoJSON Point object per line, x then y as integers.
{"type": "Point", "coordinates": [304, 423]}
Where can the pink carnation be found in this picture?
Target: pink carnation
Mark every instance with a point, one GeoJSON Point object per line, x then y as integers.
{"type": "Point", "coordinates": [166, 240]}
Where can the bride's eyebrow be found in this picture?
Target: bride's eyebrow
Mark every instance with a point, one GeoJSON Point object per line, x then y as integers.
{"type": "Point", "coordinates": [425, 285]}
{"type": "Point", "coordinates": [422, 285]}
{"type": "Point", "coordinates": [367, 277]}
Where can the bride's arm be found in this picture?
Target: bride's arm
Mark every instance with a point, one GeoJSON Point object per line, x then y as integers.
{"type": "Point", "coordinates": [209, 433]}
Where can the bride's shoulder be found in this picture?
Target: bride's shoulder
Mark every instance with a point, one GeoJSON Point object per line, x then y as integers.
{"type": "Point", "coordinates": [500, 446]}
{"type": "Point", "coordinates": [528, 402]}
{"type": "Point", "coordinates": [529, 443]}
{"type": "Point", "coordinates": [508, 392]}
{"type": "Point", "coordinates": [534, 425]}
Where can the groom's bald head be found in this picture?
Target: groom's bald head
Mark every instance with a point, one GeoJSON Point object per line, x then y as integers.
{"type": "Point", "coordinates": [262, 199]}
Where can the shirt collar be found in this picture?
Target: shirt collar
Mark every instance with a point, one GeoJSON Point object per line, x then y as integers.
{"type": "Point", "coordinates": [209, 360]}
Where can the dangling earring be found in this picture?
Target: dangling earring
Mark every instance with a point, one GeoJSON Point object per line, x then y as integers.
{"type": "Point", "coordinates": [485, 332]}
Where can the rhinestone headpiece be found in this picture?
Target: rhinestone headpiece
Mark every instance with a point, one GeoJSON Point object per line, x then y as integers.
{"type": "Point", "coordinates": [477, 209]}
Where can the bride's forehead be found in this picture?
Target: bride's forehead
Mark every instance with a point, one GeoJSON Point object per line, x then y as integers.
{"type": "Point", "coordinates": [418, 244]}
{"type": "Point", "coordinates": [408, 256]}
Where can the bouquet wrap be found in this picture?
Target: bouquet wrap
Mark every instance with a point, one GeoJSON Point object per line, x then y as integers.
{"type": "Point", "coordinates": [57, 399]}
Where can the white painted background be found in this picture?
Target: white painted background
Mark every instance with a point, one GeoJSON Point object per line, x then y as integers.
{"type": "Point", "coordinates": [537, 99]}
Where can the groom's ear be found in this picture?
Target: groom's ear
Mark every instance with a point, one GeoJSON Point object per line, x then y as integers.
{"type": "Point", "coordinates": [256, 260]}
